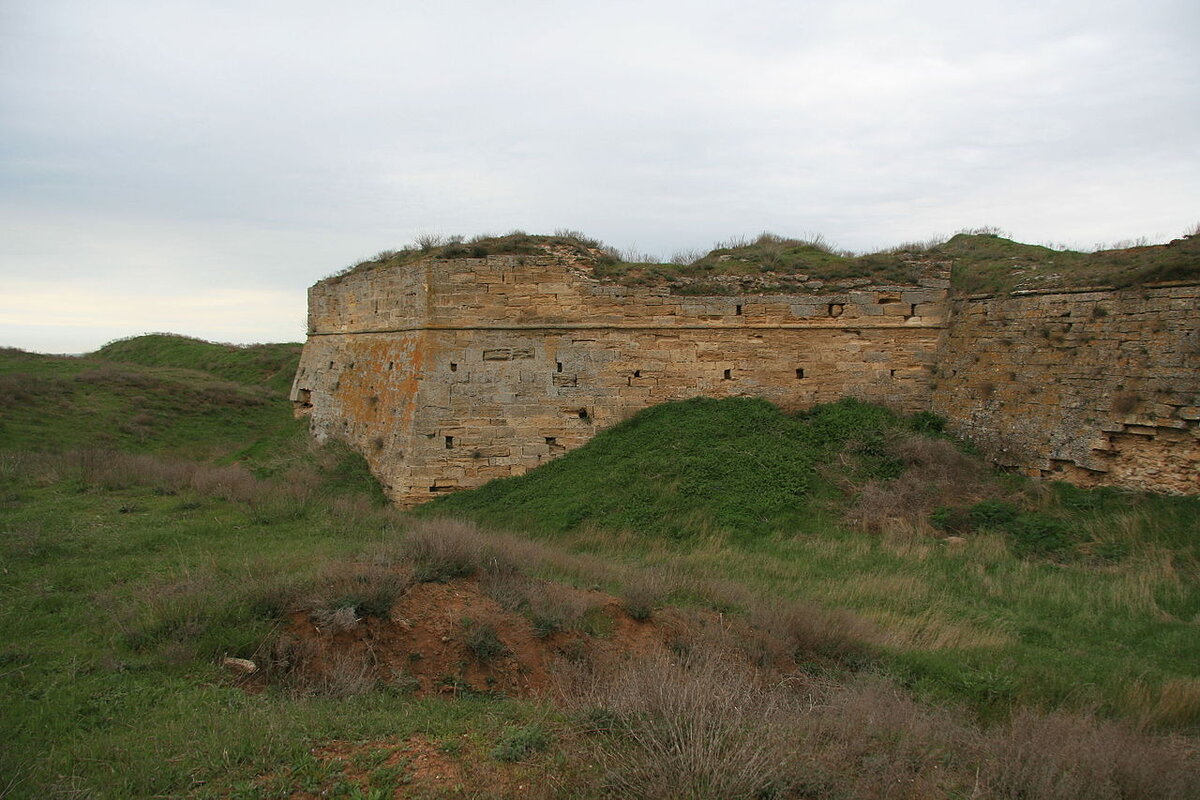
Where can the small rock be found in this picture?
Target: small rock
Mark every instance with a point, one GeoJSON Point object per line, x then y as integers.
{"type": "Point", "coordinates": [243, 665]}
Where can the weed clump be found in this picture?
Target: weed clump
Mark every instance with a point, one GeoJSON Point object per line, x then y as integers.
{"type": "Point", "coordinates": [442, 550]}
{"type": "Point", "coordinates": [518, 743]}
{"type": "Point", "coordinates": [483, 641]}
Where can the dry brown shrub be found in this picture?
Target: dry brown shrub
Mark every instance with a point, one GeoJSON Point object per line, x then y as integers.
{"type": "Point", "coordinates": [554, 608]}
{"type": "Point", "coordinates": [301, 668]}
{"type": "Point", "coordinates": [336, 620]}
{"type": "Point", "coordinates": [871, 740]}
{"type": "Point", "coordinates": [703, 726]}
{"type": "Point", "coordinates": [644, 591]}
{"type": "Point", "coordinates": [722, 595]}
{"type": "Point", "coordinates": [510, 588]}
{"type": "Point", "coordinates": [935, 473]}
{"type": "Point", "coordinates": [808, 631]}
{"type": "Point", "coordinates": [366, 589]}
{"type": "Point", "coordinates": [443, 549]}
{"type": "Point", "coordinates": [1062, 756]}
{"type": "Point", "coordinates": [19, 388]}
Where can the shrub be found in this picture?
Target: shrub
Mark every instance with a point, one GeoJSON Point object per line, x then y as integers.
{"type": "Point", "coordinates": [517, 744]}
{"type": "Point", "coordinates": [1064, 756]}
{"type": "Point", "coordinates": [932, 472]}
{"type": "Point", "coordinates": [483, 641]}
{"type": "Point", "coordinates": [556, 608]}
{"type": "Point", "coordinates": [336, 620]}
{"type": "Point", "coordinates": [510, 588]}
{"type": "Point", "coordinates": [643, 593]}
{"type": "Point", "coordinates": [1036, 534]}
{"type": "Point", "coordinates": [927, 422]}
{"type": "Point", "coordinates": [367, 590]}
{"type": "Point", "coordinates": [699, 726]}
{"type": "Point", "coordinates": [810, 631]}
{"type": "Point", "coordinates": [992, 513]}
{"type": "Point", "coordinates": [950, 519]}
{"type": "Point", "coordinates": [442, 550]}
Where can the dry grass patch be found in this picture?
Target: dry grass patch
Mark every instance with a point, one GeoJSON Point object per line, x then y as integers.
{"type": "Point", "coordinates": [932, 630]}
{"type": "Point", "coordinates": [444, 549]}
{"type": "Point", "coordinates": [936, 473]}
{"type": "Point", "coordinates": [703, 726]}
{"type": "Point", "coordinates": [1064, 756]}
{"type": "Point", "coordinates": [809, 631]}
{"type": "Point", "coordinates": [1175, 702]}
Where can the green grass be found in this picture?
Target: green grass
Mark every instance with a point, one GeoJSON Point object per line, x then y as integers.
{"type": "Point", "coordinates": [121, 587]}
{"type": "Point", "coordinates": [57, 403]}
{"type": "Point", "coordinates": [736, 468]}
{"type": "Point", "coordinates": [1075, 597]}
{"type": "Point", "coordinates": [269, 365]}
{"type": "Point", "coordinates": [123, 582]}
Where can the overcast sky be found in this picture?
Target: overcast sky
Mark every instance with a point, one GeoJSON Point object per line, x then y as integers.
{"type": "Point", "coordinates": [194, 166]}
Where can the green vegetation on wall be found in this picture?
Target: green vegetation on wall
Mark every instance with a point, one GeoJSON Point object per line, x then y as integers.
{"type": "Point", "coordinates": [980, 261]}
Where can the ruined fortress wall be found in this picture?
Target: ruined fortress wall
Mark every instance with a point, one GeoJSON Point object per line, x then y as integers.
{"type": "Point", "coordinates": [446, 374]}
{"type": "Point", "coordinates": [1087, 386]}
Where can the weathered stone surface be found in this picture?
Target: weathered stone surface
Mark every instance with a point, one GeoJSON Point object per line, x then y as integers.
{"type": "Point", "coordinates": [446, 374]}
{"type": "Point", "coordinates": [1048, 384]}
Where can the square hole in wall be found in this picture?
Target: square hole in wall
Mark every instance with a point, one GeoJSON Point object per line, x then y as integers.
{"type": "Point", "coordinates": [449, 442]}
{"type": "Point", "coordinates": [453, 367]}
{"type": "Point", "coordinates": [799, 373]}
{"type": "Point", "coordinates": [558, 366]}
{"type": "Point", "coordinates": [727, 375]}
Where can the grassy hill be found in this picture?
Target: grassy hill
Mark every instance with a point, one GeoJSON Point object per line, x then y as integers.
{"type": "Point", "coordinates": [158, 393]}
{"type": "Point", "coordinates": [735, 489]}
{"type": "Point", "coordinates": [736, 468]}
{"type": "Point", "coordinates": [842, 603]}
{"type": "Point", "coordinates": [269, 365]}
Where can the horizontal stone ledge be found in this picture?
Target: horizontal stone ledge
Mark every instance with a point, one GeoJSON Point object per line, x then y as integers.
{"type": "Point", "coordinates": [1100, 289]}
{"type": "Point", "coordinates": [836, 323]}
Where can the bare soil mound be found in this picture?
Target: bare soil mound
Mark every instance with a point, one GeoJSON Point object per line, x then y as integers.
{"type": "Point", "coordinates": [448, 638]}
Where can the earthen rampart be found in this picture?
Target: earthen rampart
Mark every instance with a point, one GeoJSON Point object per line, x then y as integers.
{"type": "Point", "coordinates": [448, 373]}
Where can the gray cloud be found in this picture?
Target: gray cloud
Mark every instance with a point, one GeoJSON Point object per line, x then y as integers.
{"type": "Point", "coordinates": [177, 153]}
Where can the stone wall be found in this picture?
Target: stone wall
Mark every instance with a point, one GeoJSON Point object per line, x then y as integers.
{"type": "Point", "coordinates": [446, 374]}
{"type": "Point", "coordinates": [1088, 386]}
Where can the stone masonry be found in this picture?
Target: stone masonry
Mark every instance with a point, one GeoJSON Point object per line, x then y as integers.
{"type": "Point", "coordinates": [448, 373]}
{"type": "Point", "coordinates": [1093, 387]}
